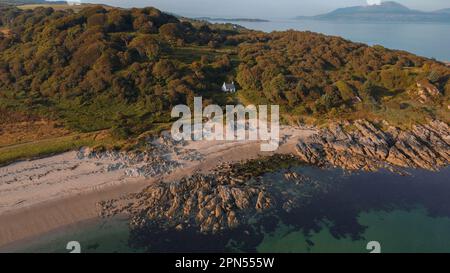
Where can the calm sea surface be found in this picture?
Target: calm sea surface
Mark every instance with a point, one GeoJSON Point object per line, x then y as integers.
{"type": "Point", "coordinates": [335, 212]}
{"type": "Point", "coordinates": [426, 39]}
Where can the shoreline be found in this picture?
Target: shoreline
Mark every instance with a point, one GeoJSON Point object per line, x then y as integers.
{"type": "Point", "coordinates": [224, 198]}
{"type": "Point", "coordinates": [48, 194]}
{"type": "Point", "coordinates": [28, 224]}
{"type": "Point", "coordinates": [41, 202]}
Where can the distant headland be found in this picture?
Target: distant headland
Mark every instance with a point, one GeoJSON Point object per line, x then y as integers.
{"type": "Point", "coordinates": [385, 12]}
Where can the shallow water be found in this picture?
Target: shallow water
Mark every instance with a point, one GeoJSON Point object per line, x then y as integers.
{"type": "Point", "coordinates": [335, 212]}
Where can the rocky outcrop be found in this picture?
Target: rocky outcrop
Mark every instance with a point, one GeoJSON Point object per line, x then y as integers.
{"type": "Point", "coordinates": [426, 91]}
{"type": "Point", "coordinates": [234, 193]}
{"type": "Point", "coordinates": [156, 160]}
{"type": "Point", "coordinates": [220, 200]}
{"type": "Point", "coordinates": [133, 164]}
{"type": "Point", "coordinates": [366, 147]}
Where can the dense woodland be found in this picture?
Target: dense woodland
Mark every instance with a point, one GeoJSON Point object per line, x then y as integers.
{"type": "Point", "coordinates": [100, 68]}
{"type": "Point", "coordinates": [124, 69]}
{"type": "Point", "coordinates": [320, 76]}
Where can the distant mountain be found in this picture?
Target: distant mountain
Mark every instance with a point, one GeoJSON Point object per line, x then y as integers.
{"type": "Point", "coordinates": [386, 11]}
{"type": "Point", "coordinates": [443, 11]}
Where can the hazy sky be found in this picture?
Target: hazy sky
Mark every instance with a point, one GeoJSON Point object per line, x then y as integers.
{"type": "Point", "coordinates": [260, 8]}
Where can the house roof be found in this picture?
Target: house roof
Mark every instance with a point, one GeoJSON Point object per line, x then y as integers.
{"type": "Point", "coordinates": [229, 86]}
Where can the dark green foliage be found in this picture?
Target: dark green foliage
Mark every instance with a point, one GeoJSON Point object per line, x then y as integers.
{"type": "Point", "coordinates": [82, 67]}
{"type": "Point", "coordinates": [367, 93]}
{"type": "Point", "coordinates": [433, 76]}
{"type": "Point", "coordinates": [328, 74]}
{"type": "Point", "coordinates": [331, 99]}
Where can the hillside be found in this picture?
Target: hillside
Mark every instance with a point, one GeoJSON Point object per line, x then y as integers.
{"type": "Point", "coordinates": [386, 11]}
{"type": "Point", "coordinates": [132, 59]}
{"type": "Point", "coordinates": [110, 77]}
{"type": "Point", "coordinates": [120, 70]}
{"type": "Point", "coordinates": [317, 78]}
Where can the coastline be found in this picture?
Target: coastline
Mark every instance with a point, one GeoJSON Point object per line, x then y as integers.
{"type": "Point", "coordinates": [48, 194]}
{"type": "Point", "coordinates": [51, 207]}
{"type": "Point", "coordinates": [24, 225]}
{"type": "Point", "coordinates": [377, 30]}
{"type": "Point", "coordinates": [227, 196]}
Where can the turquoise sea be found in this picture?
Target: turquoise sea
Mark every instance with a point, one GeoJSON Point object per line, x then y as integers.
{"type": "Point", "coordinates": [336, 211]}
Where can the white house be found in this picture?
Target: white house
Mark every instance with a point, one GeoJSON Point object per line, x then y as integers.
{"type": "Point", "coordinates": [229, 87]}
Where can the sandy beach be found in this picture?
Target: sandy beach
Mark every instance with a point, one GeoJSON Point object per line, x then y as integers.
{"type": "Point", "coordinates": [46, 194]}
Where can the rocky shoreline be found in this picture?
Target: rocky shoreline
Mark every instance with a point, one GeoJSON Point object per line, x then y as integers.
{"type": "Point", "coordinates": [156, 160]}
{"type": "Point", "coordinates": [369, 148]}
{"type": "Point", "coordinates": [234, 193]}
{"type": "Point", "coordinates": [223, 199]}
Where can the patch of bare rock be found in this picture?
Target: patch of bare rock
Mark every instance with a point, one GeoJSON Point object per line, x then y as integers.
{"type": "Point", "coordinates": [366, 147]}
{"type": "Point", "coordinates": [223, 199]}
{"type": "Point", "coordinates": [155, 161]}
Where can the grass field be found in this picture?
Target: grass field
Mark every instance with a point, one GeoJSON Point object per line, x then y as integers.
{"type": "Point", "coordinates": [52, 146]}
